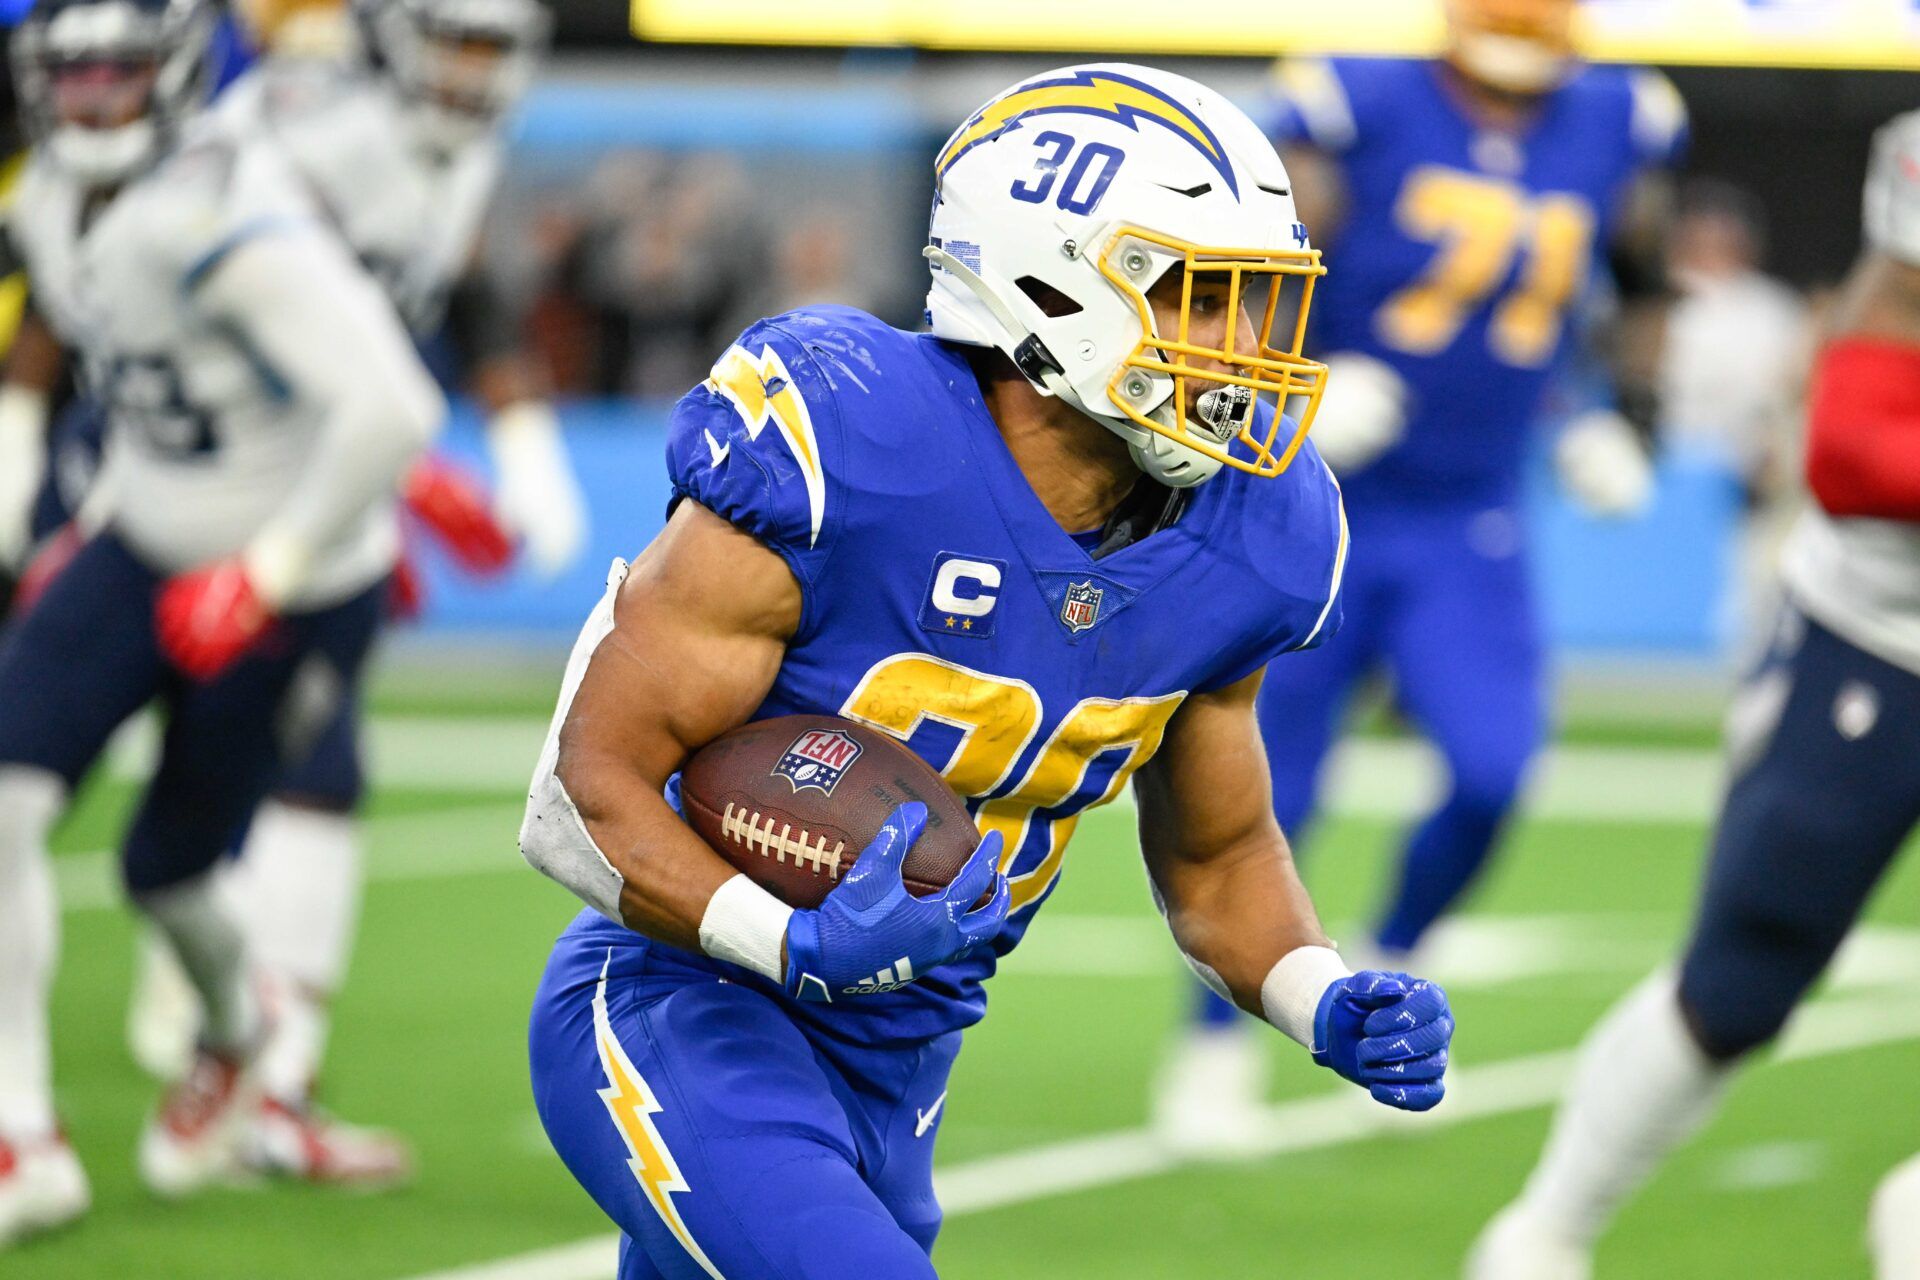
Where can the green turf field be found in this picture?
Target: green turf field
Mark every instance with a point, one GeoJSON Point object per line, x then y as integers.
{"type": "Point", "coordinates": [1593, 892]}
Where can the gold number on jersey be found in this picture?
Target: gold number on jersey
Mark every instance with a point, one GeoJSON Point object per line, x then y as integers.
{"type": "Point", "coordinates": [1478, 226]}
{"type": "Point", "coordinates": [997, 718]}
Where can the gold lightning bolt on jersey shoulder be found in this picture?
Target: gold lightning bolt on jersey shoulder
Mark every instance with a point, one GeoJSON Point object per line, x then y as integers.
{"type": "Point", "coordinates": [632, 1104]}
{"type": "Point", "coordinates": [762, 391]}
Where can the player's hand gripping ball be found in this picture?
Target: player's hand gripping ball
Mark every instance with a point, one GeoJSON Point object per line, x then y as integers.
{"type": "Point", "coordinates": [887, 872]}
{"type": "Point", "coordinates": [870, 935]}
{"type": "Point", "coordinates": [1388, 1033]}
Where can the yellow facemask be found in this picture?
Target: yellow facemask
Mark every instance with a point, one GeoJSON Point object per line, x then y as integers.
{"type": "Point", "coordinates": [1278, 283]}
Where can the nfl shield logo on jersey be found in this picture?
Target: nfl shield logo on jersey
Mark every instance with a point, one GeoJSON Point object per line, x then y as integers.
{"type": "Point", "coordinates": [818, 758]}
{"type": "Point", "coordinates": [1081, 609]}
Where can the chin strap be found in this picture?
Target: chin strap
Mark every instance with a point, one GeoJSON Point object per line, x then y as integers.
{"type": "Point", "coordinates": [1030, 355]}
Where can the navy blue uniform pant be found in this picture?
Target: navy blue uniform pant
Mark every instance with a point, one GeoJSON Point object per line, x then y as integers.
{"type": "Point", "coordinates": [1825, 740]}
{"type": "Point", "coordinates": [329, 774]}
{"type": "Point", "coordinates": [86, 658]}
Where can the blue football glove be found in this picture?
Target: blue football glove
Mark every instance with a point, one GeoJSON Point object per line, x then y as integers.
{"type": "Point", "coordinates": [1388, 1033]}
{"type": "Point", "coordinates": [870, 935]}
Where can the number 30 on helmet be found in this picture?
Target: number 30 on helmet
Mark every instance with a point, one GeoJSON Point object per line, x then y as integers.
{"type": "Point", "coordinates": [1065, 201]}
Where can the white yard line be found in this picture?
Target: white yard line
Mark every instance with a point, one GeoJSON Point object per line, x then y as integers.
{"type": "Point", "coordinates": [464, 840]}
{"type": "Point", "coordinates": [1375, 777]}
{"type": "Point", "coordinates": [1330, 1120]}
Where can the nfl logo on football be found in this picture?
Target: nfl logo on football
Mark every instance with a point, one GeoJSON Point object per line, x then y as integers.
{"type": "Point", "coordinates": [1082, 606]}
{"type": "Point", "coordinates": [818, 758]}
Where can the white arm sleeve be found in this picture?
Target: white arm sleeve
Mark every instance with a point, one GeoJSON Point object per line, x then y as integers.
{"type": "Point", "coordinates": [553, 837]}
{"type": "Point", "coordinates": [326, 329]}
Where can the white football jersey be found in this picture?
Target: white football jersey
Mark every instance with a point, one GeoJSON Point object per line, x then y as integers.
{"type": "Point", "coordinates": [206, 440]}
{"type": "Point", "coordinates": [1860, 579]}
{"type": "Point", "coordinates": [412, 214]}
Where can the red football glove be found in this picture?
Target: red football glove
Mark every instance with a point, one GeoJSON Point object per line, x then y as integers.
{"type": "Point", "coordinates": [209, 617]}
{"type": "Point", "coordinates": [54, 555]}
{"type": "Point", "coordinates": [454, 507]}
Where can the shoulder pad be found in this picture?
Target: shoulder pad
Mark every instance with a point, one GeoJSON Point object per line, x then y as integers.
{"type": "Point", "coordinates": [213, 194]}
{"type": "Point", "coordinates": [1293, 537]}
{"type": "Point", "coordinates": [758, 442]}
{"type": "Point", "coordinates": [1311, 105]}
{"type": "Point", "coordinates": [1892, 197]}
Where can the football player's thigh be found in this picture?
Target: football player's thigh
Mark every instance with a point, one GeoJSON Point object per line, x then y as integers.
{"type": "Point", "coordinates": [226, 738]}
{"type": "Point", "coordinates": [1826, 793]}
{"type": "Point", "coordinates": [699, 1119]}
{"type": "Point", "coordinates": [324, 770]}
{"type": "Point", "coordinates": [1467, 662]}
{"type": "Point", "coordinates": [82, 660]}
{"type": "Point", "coordinates": [900, 1099]}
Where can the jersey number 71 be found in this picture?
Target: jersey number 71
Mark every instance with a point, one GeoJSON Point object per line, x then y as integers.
{"type": "Point", "coordinates": [1479, 225]}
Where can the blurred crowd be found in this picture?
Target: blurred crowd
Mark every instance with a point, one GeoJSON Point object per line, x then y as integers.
{"type": "Point", "coordinates": [631, 279]}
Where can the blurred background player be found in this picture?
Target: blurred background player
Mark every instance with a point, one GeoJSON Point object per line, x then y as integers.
{"type": "Point", "coordinates": [1463, 203]}
{"type": "Point", "coordinates": [391, 113]}
{"type": "Point", "coordinates": [401, 148]}
{"type": "Point", "coordinates": [1825, 789]}
{"type": "Point", "coordinates": [264, 401]}
{"type": "Point", "coordinates": [1729, 372]}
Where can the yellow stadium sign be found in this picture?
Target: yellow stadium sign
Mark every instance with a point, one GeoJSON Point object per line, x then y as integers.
{"type": "Point", "coordinates": [1859, 34]}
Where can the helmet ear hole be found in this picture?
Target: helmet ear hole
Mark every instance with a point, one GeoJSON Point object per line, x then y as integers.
{"type": "Point", "coordinates": [1052, 303]}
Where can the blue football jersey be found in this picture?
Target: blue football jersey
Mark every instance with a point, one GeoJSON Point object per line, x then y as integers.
{"type": "Point", "coordinates": [1464, 248]}
{"type": "Point", "coordinates": [944, 605]}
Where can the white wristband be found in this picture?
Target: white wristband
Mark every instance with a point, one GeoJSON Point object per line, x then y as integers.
{"type": "Point", "coordinates": [1290, 996]}
{"type": "Point", "coordinates": [747, 926]}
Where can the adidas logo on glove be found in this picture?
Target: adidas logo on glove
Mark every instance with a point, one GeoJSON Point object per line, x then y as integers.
{"type": "Point", "coordinates": [891, 978]}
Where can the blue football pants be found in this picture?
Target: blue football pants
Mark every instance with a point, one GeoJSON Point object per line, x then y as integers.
{"type": "Point", "coordinates": [86, 658]}
{"type": "Point", "coordinates": [722, 1137]}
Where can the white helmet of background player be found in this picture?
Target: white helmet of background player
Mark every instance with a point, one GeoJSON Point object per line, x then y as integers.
{"type": "Point", "coordinates": [1062, 202]}
{"type": "Point", "coordinates": [104, 85]}
{"type": "Point", "coordinates": [1893, 190]}
{"type": "Point", "coordinates": [460, 64]}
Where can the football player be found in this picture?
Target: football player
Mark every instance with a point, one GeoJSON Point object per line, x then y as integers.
{"type": "Point", "coordinates": [402, 150]}
{"type": "Point", "coordinates": [1051, 545]}
{"type": "Point", "coordinates": [1825, 783]}
{"type": "Point", "coordinates": [264, 402]}
{"type": "Point", "coordinates": [1462, 203]}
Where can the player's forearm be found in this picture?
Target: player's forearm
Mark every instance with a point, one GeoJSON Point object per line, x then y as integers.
{"type": "Point", "coordinates": [668, 875]}
{"type": "Point", "coordinates": [604, 830]}
{"type": "Point", "coordinates": [326, 332]}
{"type": "Point", "coordinates": [36, 359]}
{"type": "Point", "coordinates": [1238, 913]}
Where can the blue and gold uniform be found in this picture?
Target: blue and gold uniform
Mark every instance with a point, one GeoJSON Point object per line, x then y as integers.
{"type": "Point", "coordinates": [944, 605]}
{"type": "Point", "coordinates": [1462, 252]}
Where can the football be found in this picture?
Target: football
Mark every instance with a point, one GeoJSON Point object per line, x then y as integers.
{"type": "Point", "coordinates": [792, 801]}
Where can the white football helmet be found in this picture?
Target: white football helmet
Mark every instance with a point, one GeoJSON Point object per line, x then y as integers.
{"type": "Point", "coordinates": [1892, 199]}
{"type": "Point", "coordinates": [106, 85]}
{"type": "Point", "coordinates": [461, 65]}
{"type": "Point", "coordinates": [1060, 203]}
